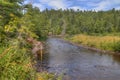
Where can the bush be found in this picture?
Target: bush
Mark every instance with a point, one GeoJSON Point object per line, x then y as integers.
{"type": "Point", "coordinates": [116, 46]}
{"type": "Point", "coordinates": [15, 63]}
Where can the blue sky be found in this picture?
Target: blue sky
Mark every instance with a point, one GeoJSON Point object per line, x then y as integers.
{"type": "Point", "coordinates": [76, 4]}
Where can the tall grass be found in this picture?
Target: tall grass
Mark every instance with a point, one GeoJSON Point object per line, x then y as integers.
{"type": "Point", "coordinates": [111, 43]}
{"type": "Point", "coordinates": [15, 63]}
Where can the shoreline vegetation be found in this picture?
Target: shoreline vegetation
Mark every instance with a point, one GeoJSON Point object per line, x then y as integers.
{"type": "Point", "coordinates": [19, 21]}
{"type": "Point", "coordinates": [106, 44]}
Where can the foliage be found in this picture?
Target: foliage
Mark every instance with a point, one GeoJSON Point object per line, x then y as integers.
{"type": "Point", "coordinates": [75, 22]}
{"type": "Point", "coordinates": [116, 46]}
{"type": "Point", "coordinates": [70, 22]}
{"type": "Point", "coordinates": [8, 8]}
{"type": "Point", "coordinates": [15, 58]}
{"type": "Point", "coordinates": [15, 64]}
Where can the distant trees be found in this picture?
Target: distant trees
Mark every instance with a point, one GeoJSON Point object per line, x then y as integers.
{"type": "Point", "coordinates": [82, 21]}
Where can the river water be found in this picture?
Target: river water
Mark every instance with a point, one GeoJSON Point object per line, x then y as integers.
{"type": "Point", "coordinates": [77, 63]}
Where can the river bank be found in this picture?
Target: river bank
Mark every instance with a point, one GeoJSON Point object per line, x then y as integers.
{"type": "Point", "coordinates": [104, 44]}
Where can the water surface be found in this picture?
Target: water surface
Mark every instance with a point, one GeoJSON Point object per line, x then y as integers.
{"type": "Point", "coordinates": [78, 63]}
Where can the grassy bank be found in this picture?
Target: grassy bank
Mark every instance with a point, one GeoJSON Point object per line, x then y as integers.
{"type": "Point", "coordinates": [110, 42]}
{"type": "Point", "coordinates": [16, 63]}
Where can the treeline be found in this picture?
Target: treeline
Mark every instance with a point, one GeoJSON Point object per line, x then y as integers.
{"type": "Point", "coordinates": [74, 22]}
{"type": "Point", "coordinates": [61, 22]}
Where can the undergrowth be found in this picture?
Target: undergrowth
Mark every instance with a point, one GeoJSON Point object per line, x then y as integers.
{"type": "Point", "coordinates": [15, 63]}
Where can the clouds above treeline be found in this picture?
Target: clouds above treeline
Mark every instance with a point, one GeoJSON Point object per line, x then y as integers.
{"type": "Point", "coordinates": [76, 4]}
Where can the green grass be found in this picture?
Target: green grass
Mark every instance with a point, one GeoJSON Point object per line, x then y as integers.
{"type": "Point", "coordinates": [107, 42]}
{"type": "Point", "coordinates": [48, 76]}
{"type": "Point", "coordinates": [15, 63]}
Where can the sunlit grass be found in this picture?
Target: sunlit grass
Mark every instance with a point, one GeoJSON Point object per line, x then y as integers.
{"type": "Point", "coordinates": [102, 42]}
{"type": "Point", "coordinates": [48, 76]}
{"type": "Point", "coordinates": [15, 63]}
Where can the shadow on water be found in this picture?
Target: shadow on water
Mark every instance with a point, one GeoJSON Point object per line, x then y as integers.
{"type": "Point", "coordinates": [78, 63]}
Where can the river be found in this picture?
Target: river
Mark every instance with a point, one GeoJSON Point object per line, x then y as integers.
{"type": "Point", "coordinates": [77, 63]}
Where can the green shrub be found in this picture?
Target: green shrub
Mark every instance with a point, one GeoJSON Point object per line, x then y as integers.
{"type": "Point", "coordinates": [116, 46]}
{"type": "Point", "coordinates": [15, 64]}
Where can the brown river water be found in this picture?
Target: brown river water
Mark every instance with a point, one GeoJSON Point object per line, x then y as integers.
{"type": "Point", "coordinates": [77, 63]}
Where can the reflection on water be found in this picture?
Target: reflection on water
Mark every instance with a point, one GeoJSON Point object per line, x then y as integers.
{"type": "Point", "coordinates": [78, 63]}
{"type": "Point", "coordinates": [116, 58]}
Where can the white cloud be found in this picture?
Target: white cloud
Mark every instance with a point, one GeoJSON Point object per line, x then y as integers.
{"type": "Point", "coordinates": [26, 1]}
{"type": "Point", "coordinates": [117, 8]}
{"type": "Point", "coordinates": [115, 1]}
{"type": "Point", "coordinates": [56, 4]}
{"type": "Point", "coordinates": [40, 6]}
{"type": "Point", "coordinates": [106, 4]}
{"type": "Point", "coordinates": [87, 4]}
{"type": "Point", "coordinates": [102, 5]}
{"type": "Point", "coordinates": [76, 8]}
{"type": "Point", "coordinates": [81, 0]}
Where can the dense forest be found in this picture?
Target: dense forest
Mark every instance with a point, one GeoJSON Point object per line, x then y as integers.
{"type": "Point", "coordinates": [74, 22]}
{"type": "Point", "coordinates": [19, 21]}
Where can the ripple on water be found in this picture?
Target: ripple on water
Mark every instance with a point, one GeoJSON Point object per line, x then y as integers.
{"type": "Point", "coordinates": [77, 63]}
